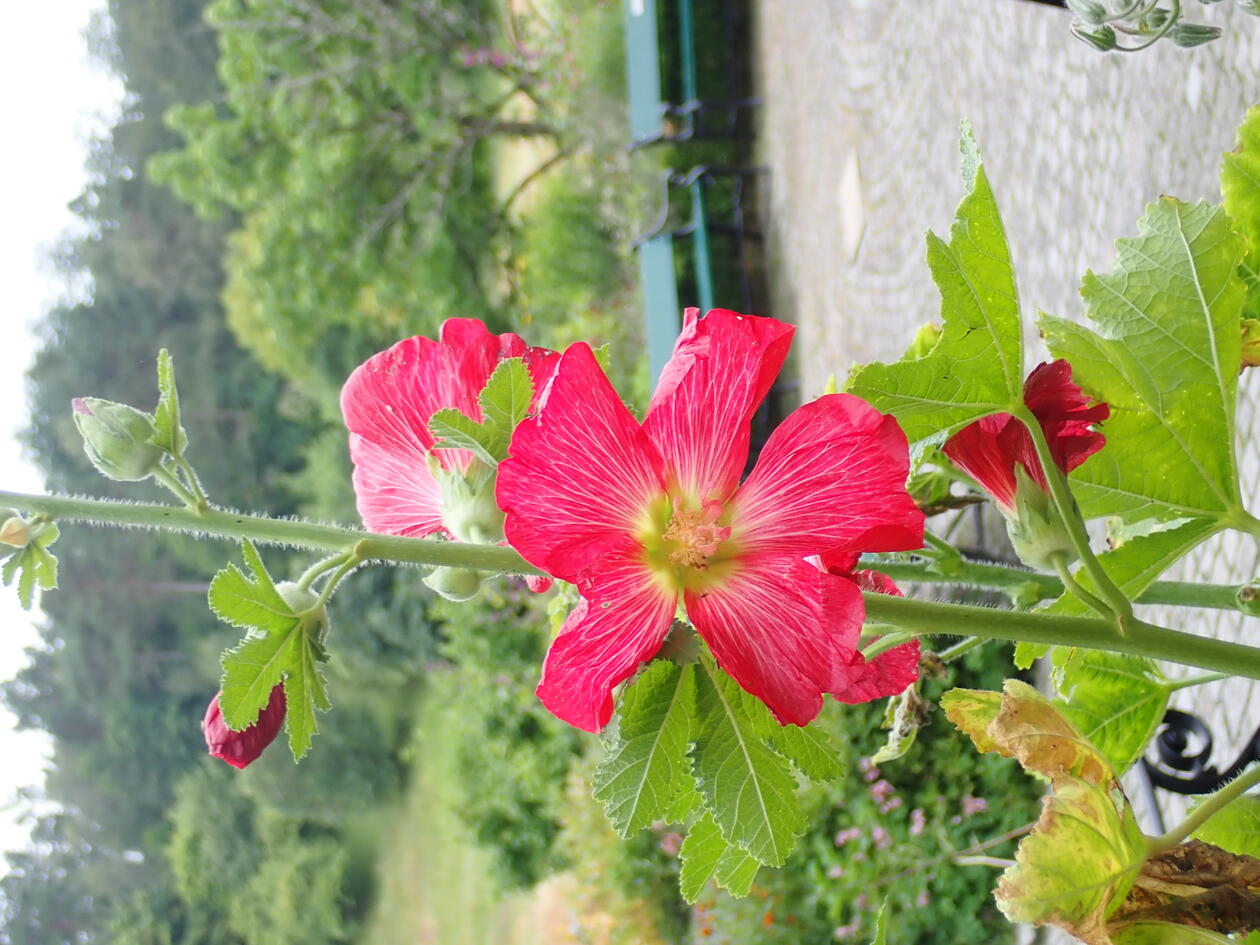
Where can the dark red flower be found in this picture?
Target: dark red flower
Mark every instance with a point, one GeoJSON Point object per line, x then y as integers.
{"type": "Point", "coordinates": [989, 449]}
{"type": "Point", "coordinates": [241, 748]}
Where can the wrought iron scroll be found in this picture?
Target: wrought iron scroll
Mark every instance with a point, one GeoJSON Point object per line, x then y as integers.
{"type": "Point", "coordinates": [1183, 748]}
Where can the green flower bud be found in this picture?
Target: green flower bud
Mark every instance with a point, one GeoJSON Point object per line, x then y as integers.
{"type": "Point", "coordinates": [1187, 35]}
{"type": "Point", "coordinates": [1036, 531]}
{"type": "Point", "coordinates": [1090, 11]}
{"type": "Point", "coordinates": [456, 584]}
{"type": "Point", "coordinates": [1102, 38]}
{"type": "Point", "coordinates": [117, 439]}
{"type": "Point", "coordinates": [15, 532]}
{"type": "Point", "coordinates": [469, 509]}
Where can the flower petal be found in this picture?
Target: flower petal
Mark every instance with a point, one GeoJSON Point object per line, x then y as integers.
{"type": "Point", "coordinates": [699, 418]}
{"type": "Point", "coordinates": [889, 674]}
{"type": "Point", "coordinates": [1065, 414]}
{"type": "Point", "coordinates": [784, 630]}
{"type": "Point", "coordinates": [987, 451]}
{"type": "Point", "coordinates": [580, 475]}
{"type": "Point", "coordinates": [394, 490]}
{"type": "Point", "coordinates": [623, 617]}
{"type": "Point", "coordinates": [831, 476]}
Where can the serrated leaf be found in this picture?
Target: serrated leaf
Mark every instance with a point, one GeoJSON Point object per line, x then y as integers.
{"type": "Point", "coordinates": [647, 771]}
{"type": "Point", "coordinates": [170, 434]}
{"type": "Point", "coordinates": [706, 855]}
{"type": "Point", "coordinates": [304, 691]}
{"type": "Point", "coordinates": [251, 669]}
{"type": "Point", "coordinates": [33, 566]}
{"type": "Point", "coordinates": [26, 582]}
{"type": "Point", "coordinates": [505, 401]}
{"type": "Point", "coordinates": [976, 368]}
{"type": "Point", "coordinates": [1235, 827]}
{"type": "Point", "coordinates": [811, 749]}
{"type": "Point", "coordinates": [281, 646]}
{"type": "Point", "coordinates": [1240, 192]}
{"type": "Point", "coordinates": [1078, 864]}
{"type": "Point", "coordinates": [1115, 700]}
{"type": "Point", "coordinates": [251, 604]}
{"type": "Point", "coordinates": [881, 925]}
{"type": "Point", "coordinates": [1166, 358]}
{"type": "Point", "coordinates": [1133, 567]}
{"type": "Point", "coordinates": [747, 788]}
{"type": "Point", "coordinates": [455, 431]}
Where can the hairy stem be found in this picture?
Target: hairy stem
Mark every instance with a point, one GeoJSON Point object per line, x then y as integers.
{"type": "Point", "coordinates": [1207, 807]}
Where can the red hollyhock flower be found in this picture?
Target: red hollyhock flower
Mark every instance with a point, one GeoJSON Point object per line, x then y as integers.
{"type": "Point", "coordinates": [387, 403]}
{"type": "Point", "coordinates": [989, 449]}
{"type": "Point", "coordinates": [891, 671]}
{"type": "Point", "coordinates": [241, 748]}
{"type": "Point", "coordinates": [641, 515]}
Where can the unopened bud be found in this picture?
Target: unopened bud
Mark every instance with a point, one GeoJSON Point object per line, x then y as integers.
{"type": "Point", "coordinates": [1187, 35]}
{"type": "Point", "coordinates": [1037, 533]}
{"type": "Point", "coordinates": [455, 584]}
{"type": "Point", "coordinates": [469, 509]}
{"type": "Point", "coordinates": [1102, 38]}
{"type": "Point", "coordinates": [15, 532]}
{"type": "Point", "coordinates": [117, 439]}
{"type": "Point", "coordinates": [1090, 11]}
{"type": "Point", "coordinates": [242, 748]}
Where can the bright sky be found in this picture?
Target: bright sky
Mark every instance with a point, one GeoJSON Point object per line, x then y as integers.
{"type": "Point", "coordinates": [54, 101]}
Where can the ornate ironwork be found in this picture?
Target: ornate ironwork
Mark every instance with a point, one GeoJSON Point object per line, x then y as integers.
{"type": "Point", "coordinates": [1183, 748]}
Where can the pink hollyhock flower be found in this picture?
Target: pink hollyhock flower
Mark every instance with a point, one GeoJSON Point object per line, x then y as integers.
{"type": "Point", "coordinates": [241, 748]}
{"type": "Point", "coordinates": [991, 449]}
{"type": "Point", "coordinates": [403, 485]}
{"type": "Point", "coordinates": [641, 515]}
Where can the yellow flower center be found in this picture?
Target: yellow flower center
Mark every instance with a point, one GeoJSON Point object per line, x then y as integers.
{"type": "Point", "coordinates": [688, 546]}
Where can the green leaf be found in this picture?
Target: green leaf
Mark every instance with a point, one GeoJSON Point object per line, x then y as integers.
{"type": "Point", "coordinates": [1115, 700]}
{"type": "Point", "coordinates": [1240, 192]}
{"type": "Point", "coordinates": [976, 368]}
{"type": "Point", "coordinates": [747, 787]}
{"type": "Point", "coordinates": [1166, 358]}
{"type": "Point", "coordinates": [33, 566]}
{"type": "Point", "coordinates": [811, 749]}
{"type": "Point", "coordinates": [647, 771]}
{"type": "Point", "coordinates": [251, 604]}
{"type": "Point", "coordinates": [281, 646]}
{"type": "Point", "coordinates": [706, 855]}
{"type": "Point", "coordinates": [881, 925]}
{"type": "Point", "coordinates": [170, 435]}
{"type": "Point", "coordinates": [1235, 827]}
{"type": "Point", "coordinates": [1078, 864]}
{"type": "Point", "coordinates": [1169, 933]}
{"type": "Point", "coordinates": [505, 400]}
{"type": "Point", "coordinates": [1133, 567]}
{"type": "Point", "coordinates": [455, 431]}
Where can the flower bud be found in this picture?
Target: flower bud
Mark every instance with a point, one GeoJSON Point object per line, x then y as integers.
{"type": "Point", "coordinates": [1187, 35]}
{"type": "Point", "coordinates": [1036, 531]}
{"type": "Point", "coordinates": [117, 439]}
{"type": "Point", "coordinates": [1091, 11]}
{"type": "Point", "coordinates": [241, 748]}
{"type": "Point", "coordinates": [469, 509]}
{"type": "Point", "coordinates": [16, 532]}
{"type": "Point", "coordinates": [1102, 38]}
{"type": "Point", "coordinates": [455, 584]}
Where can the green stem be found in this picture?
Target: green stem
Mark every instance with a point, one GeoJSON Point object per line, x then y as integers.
{"type": "Point", "coordinates": [1139, 638]}
{"type": "Point", "coordinates": [961, 648]}
{"type": "Point", "coordinates": [320, 567]}
{"type": "Point", "coordinates": [1072, 520]}
{"type": "Point", "coordinates": [194, 482]}
{"type": "Point", "coordinates": [1018, 582]}
{"type": "Point", "coordinates": [171, 481]}
{"type": "Point", "coordinates": [1174, 14]}
{"type": "Point", "coordinates": [233, 526]}
{"type": "Point", "coordinates": [350, 562]}
{"type": "Point", "coordinates": [1179, 684]}
{"type": "Point", "coordinates": [887, 642]}
{"type": "Point", "coordinates": [1207, 807]}
{"type": "Point", "coordinates": [1065, 575]}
